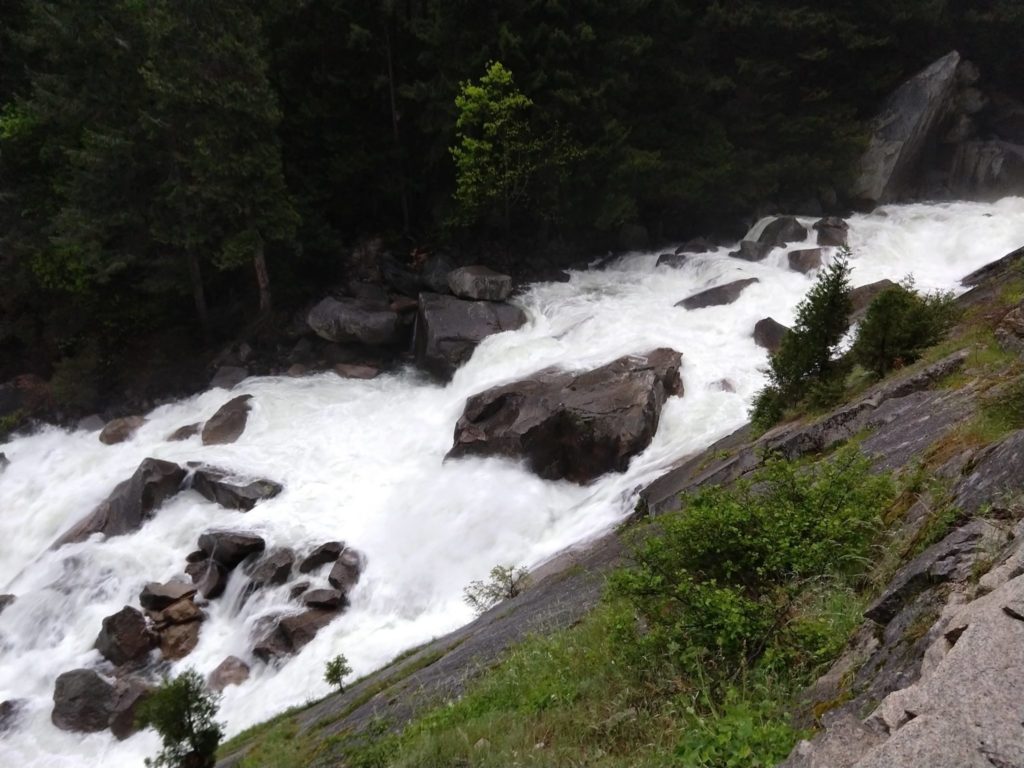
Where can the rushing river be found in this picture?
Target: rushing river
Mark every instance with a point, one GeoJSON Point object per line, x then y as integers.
{"type": "Point", "coordinates": [361, 461]}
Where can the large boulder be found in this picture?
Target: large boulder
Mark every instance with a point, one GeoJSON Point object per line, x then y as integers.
{"type": "Point", "coordinates": [832, 231]}
{"type": "Point", "coordinates": [347, 321]}
{"type": "Point", "coordinates": [124, 637]}
{"type": "Point", "coordinates": [231, 490]}
{"type": "Point", "coordinates": [768, 334]}
{"type": "Point", "coordinates": [717, 296]}
{"type": "Point", "coordinates": [322, 555]}
{"type": "Point", "coordinates": [229, 548]}
{"type": "Point", "coordinates": [156, 596]}
{"type": "Point", "coordinates": [131, 503]}
{"type": "Point", "coordinates": [448, 330]}
{"type": "Point", "coordinates": [231, 671]}
{"type": "Point", "coordinates": [434, 274]}
{"type": "Point", "coordinates": [806, 259]}
{"type": "Point", "coordinates": [228, 423]}
{"type": "Point", "coordinates": [274, 568]}
{"type": "Point", "coordinates": [119, 430]}
{"type": "Point", "coordinates": [862, 296]}
{"type": "Point", "coordinates": [902, 130]}
{"type": "Point", "coordinates": [179, 640]}
{"type": "Point", "coordinates": [782, 230]}
{"type": "Point", "coordinates": [572, 425]}
{"type": "Point", "coordinates": [327, 599]}
{"type": "Point", "coordinates": [289, 634]}
{"type": "Point", "coordinates": [129, 694]}
{"type": "Point", "coordinates": [751, 250]}
{"type": "Point", "coordinates": [479, 284]}
{"type": "Point", "coordinates": [83, 701]}
{"type": "Point", "coordinates": [345, 573]}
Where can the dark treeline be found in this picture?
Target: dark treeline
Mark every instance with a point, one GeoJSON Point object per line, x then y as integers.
{"type": "Point", "coordinates": [174, 169]}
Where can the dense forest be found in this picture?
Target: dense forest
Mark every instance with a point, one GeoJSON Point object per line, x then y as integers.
{"type": "Point", "coordinates": [174, 172]}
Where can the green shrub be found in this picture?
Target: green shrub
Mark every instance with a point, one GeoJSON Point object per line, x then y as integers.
{"type": "Point", "coordinates": [743, 733]}
{"type": "Point", "coordinates": [182, 711]}
{"type": "Point", "coordinates": [900, 324]}
{"type": "Point", "coordinates": [505, 583]}
{"type": "Point", "coordinates": [336, 671]}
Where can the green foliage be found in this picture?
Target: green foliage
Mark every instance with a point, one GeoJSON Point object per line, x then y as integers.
{"type": "Point", "coordinates": [505, 583]}
{"type": "Point", "coordinates": [900, 324]}
{"type": "Point", "coordinates": [182, 711]}
{"type": "Point", "coordinates": [805, 365]}
{"type": "Point", "coordinates": [744, 732]}
{"type": "Point", "coordinates": [76, 378]}
{"type": "Point", "coordinates": [336, 671]}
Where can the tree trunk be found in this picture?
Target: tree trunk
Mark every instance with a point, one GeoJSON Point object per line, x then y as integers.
{"type": "Point", "coordinates": [259, 262]}
{"type": "Point", "coordinates": [198, 292]}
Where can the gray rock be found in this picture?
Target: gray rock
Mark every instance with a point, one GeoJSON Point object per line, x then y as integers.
{"type": "Point", "coordinates": [1010, 331]}
{"type": "Point", "coordinates": [185, 432]}
{"type": "Point", "coordinates": [327, 599]}
{"type": "Point", "coordinates": [346, 570]}
{"type": "Point", "coordinates": [231, 490]}
{"type": "Point", "coordinates": [844, 739]}
{"type": "Point", "coordinates": [229, 377]}
{"type": "Point", "coordinates": [229, 548]}
{"type": "Point", "coordinates": [575, 426]}
{"type": "Point", "coordinates": [124, 637]}
{"type": "Point", "coordinates": [902, 130]}
{"type": "Point", "coordinates": [210, 578]}
{"type": "Point", "coordinates": [479, 284]}
{"type": "Point", "coordinates": [673, 260]}
{"type": "Point", "coordinates": [82, 701]}
{"type": "Point", "coordinates": [997, 471]}
{"type": "Point", "coordinates": [832, 231]}
{"type": "Point", "coordinates": [156, 596]}
{"type": "Point", "coordinates": [291, 633]}
{"type": "Point", "coordinates": [231, 671]}
{"type": "Point", "coordinates": [5, 601]}
{"type": "Point", "coordinates": [322, 555]}
{"type": "Point", "coordinates": [448, 330]}
{"type": "Point", "coordinates": [228, 423]}
{"type": "Point", "coordinates": [11, 711]}
{"type": "Point", "coordinates": [862, 296]}
{"type": "Point", "coordinates": [696, 245]}
{"type": "Point", "coordinates": [356, 321]}
{"type": "Point", "coordinates": [806, 260]}
{"type": "Point", "coordinates": [718, 296]}
{"type": "Point", "coordinates": [355, 371]}
{"type": "Point", "coordinates": [274, 568]}
{"type": "Point", "coordinates": [119, 430]}
{"type": "Point", "coordinates": [750, 250]}
{"type": "Point", "coordinates": [129, 694]}
{"type": "Point", "coordinates": [130, 504]}
{"type": "Point", "coordinates": [768, 333]}
{"type": "Point", "coordinates": [783, 230]}
{"type": "Point", "coordinates": [434, 275]}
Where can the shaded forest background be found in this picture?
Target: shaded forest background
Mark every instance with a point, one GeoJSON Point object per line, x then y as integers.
{"type": "Point", "coordinates": [174, 173]}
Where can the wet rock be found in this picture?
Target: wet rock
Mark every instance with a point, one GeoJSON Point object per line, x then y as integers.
{"type": "Point", "coordinates": [129, 694]}
{"type": "Point", "coordinates": [806, 260]}
{"type": "Point", "coordinates": [119, 430]}
{"type": "Point", "coordinates": [291, 633]}
{"type": "Point", "coordinates": [298, 589]}
{"type": "Point", "coordinates": [210, 578]}
{"type": "Point", "coordinates": [673, 260]}
{"type": "Point", "coordinates": [783, 230]}
{"type": "Point", "coordinates": [696, 245]}
{"type": "Point", "coordinates": [768, 334]}
{"type": "Point", "coordinates": [185, 432]}
{"type": "Point", "coordinates": [719, 295]}
{"type": "Point", "coordinates": [832, 231]}
{"type": "Point", "coordinates": [723, 385]}
{"type": "Point", "coordinates": [355, 371]}
{"type": "Point", "coordinates": [131, 503]}
{"type": "Point", "coordinates": [179, 640]}
{"type": "Point", "coordinates": [11, 711]}
{"type": "Point", "coordinates": [750, 250]}
{"type": "Point", "coordinates": [274, 568]}
{"type": "Point", "coordinates": [357, 321]}
{"type": "Point", "coordinates": [345, 573]}
{"type": "Point", "coordinates": [571, 425]}
{"type": "Point", "coordinates": [479, 284]}
{"type": "Point", "coordinates": [179, 612]}
{"type": "Point", "coordinates": [862, 296]}
{"type": "Point", "coordinates": [448, 330]}
{"type": "Point", "coordinates": [228, 423]}
{"type": "Point", "coordinates": [231, 671]}
{"type": "Point", "coordinates": [82, 701]}
{"type": "Point", "coordinates": [327, 599]}
{"type": "Point", "coordinates": [124, 637]}
{"type": "Point", "coordinates": [231, 490]}
{"type": "Point", "coordinates": [434, 275]}
{"type": "Point", "coordinates": [156, 596]}
{"type": "Point", "coordinates": [93, 423]}
{"type": "Point", "coordinates": [5, 601]}
{"type": "Point", "coordinates": [229, 548]}
{"type": "Point", "coordinates": [322, 555]}
{"type": "Point", "coordinates": [229, 377]}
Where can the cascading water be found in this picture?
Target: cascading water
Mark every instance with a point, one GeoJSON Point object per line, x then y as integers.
{"type": "Point", "coordinates": [362, 461]}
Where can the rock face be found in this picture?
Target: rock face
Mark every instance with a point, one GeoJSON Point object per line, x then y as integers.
{"type": "Point", "coordinates": [347, 321]}
{"type": "Point", "coordinates": [228, 423]}
{"type": "Point", "coordinates": [572, 425]}
{"type": "Point", "coordinates": [124, 637]}
{"type": "Point", "coordinates": [806, 260]}
{"type": "Point", "coordinates": [479, 284]}
{"type": "Point", "coordinates": [448, 330]}
{"type": "Point", "coordinates": [718, 296]}
{"type": "Point", "coordinates": [119, 430]}
{"type": "Point", "coordinates": [832, 231]}
{"type": "Point", "coordinates": [82, 701]}
{"type": "Point", "coordinates": [901, 131]}
{"type": "Point", "coordinates": [131, 503]}
{"type": "Point", "coordinates": [1009, 332]}
{"type": "Point", "coordinates": [230, 490]}
{"type": "Point", "coordinates": [768, 333]}
{"type": "Point", "coordinates": [783, 230]}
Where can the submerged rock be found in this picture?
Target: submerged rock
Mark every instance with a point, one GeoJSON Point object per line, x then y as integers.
{"type": "Point", "coordinates": [571, 425]}
{"type": "Point", "coordinates": [322, 555]}
{"type": "Point", "coordinates": [230, 490]}
{"type": "Point", "coordinates": [750, 250]}
{"type": "Point", "coordinates": [119, 430]}
{"type": "Point", "coordinates": [719, 295]}
{"type": "Point", "coordinates": [185, 432]}
{"type": "Point", "coordinates": [229, 548]}
{"type": "Point", "coordinates": [228, 423]}
{"type": "Point", "coordinates": [291, 633]}
{"type": "Point", "coordinates": [231, 671]}
{"type": "Point", "coordinates": [783, 230]}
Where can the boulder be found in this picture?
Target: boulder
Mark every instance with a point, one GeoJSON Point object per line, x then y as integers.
{"type": "Point", "coordinates": [6, 600]}
{"type": "Point", "coordinates": [231, 671]}
{"type": "Point", "coordinates": [696, 245]}
{"type": "Point", "coordinates": [291, 633]}
{"type": "Point", "coordinates": [156, 596]}
{"type": "Point", "coordinates": [448, 330]}
{"type": "Point", "coordinates": [119, 430]}
{"type": "Point", "coordinates": [347, 321]}
{"type": "Point", "coordinates": [987, 169]}
{"type": "Point", "coordinates": [322, 555]}
{"type": "Point", "coordinates": [10, 714]}
{"type": "Point", "coordinates": [719, 295]}
{"type": "Point", "coordinates": [229, 548]}
{"type": "Point", "coordinates": [124, 637]}
{"type": "Point", "coordinates": [1009, 332]}
{"type": "Point", "coordinates": [832, 231]}
{"type": "Point", "coordinates": [210, 578]}
{"type": "Point", "coordinates": [434, 274]}
{"type": "Point", "coordinates": [185, 432]}
{"type": "Point", "coordinates": [902, 130]}
{"type": "Point", "coordinates": [298, 589]}
{"type": "Point", "coordinates": [229, 377]}
{"type": "Point", "coordinates": [130, 504]}
{"type": "Point", "coordinates": [479, 284]}
{"type": "Point", "coordinates": [356, 371]}
{"type": "Point", "coordinates": [806, 260]}
{"type": "Point", "coordinates": [231, 490]}
{"type": "Point", "coordinates": [862, 296]}
{"type": "Point", "coordinates": [345, 573]}
{"type": "Point", "coordinates": [782, 230]}
{"type": "Point", "coordinates": [179, 640]}
{"type": "Point", "coordinates": [750, 250]}
{"type": "Point", "coordinates": [572, 425]}
{"type": "Point", "coordinates": [398, 276]}
{"type": "Point", "coordinates": [4, 462]}
{"type": "Point", "coordinates": [83, 701]}
{"type": "Point", "coordinates": [129, 693]}
{"type": "Point", "coordinates": [274, 568]}
{"type": "Point", "coordinates": [768, 334]}
{"type": "Point", "coordinates": [673, 260]}
{"type": "Point", "coordinates": [228, 423]}
{"type": "Point", "coordinates": [179, 612]}
{"type": "Point", "coordinates": [327, 599]}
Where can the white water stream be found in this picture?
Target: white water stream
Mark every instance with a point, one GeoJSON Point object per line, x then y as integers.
{"type": "Point", "coordinates": [362, 461]}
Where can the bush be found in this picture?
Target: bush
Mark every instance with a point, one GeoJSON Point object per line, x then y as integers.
{"type": "Point", "coordinates": [900, 324]}
{"type": "Point", "coordinates": [805, 363]}
{"type": "Point", "coordinates": [182, 711]}
{"type": "Point", "coordinates": [336, 671]}
{"type": "Point", "coordinates": [505, 583]}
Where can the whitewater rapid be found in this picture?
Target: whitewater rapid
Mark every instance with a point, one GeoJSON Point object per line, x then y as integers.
{"type": "Point", "coordinates": [361, 461]}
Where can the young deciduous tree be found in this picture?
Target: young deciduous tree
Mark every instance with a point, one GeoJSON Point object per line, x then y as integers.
{"type": "Point", "coordinates": [182, 712]}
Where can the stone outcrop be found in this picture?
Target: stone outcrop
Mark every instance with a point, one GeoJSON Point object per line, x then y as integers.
{"type": "Point", "coordinates": [357, 321]}
{"type": "Point", "coordinates": [1010, 331]}
{"type": "Point", "coordinates": [570, 425]}
{"type": "Point", "coordinates": [768, 334]}
{"type": "Point", "coordinates": [228, 423]}
{"type": "Point", "coordinates": [119, 430]}
{"type": "Point", "coordinates": [448, 330]}
{"type": "Point", "coordinates": [719, 295]}
{"type": "Point", "coordinates": [479, 284]}
{"type": "Point", "coordinates": [124, 637]}
{"type": "Point", "coordinates": [231, 490]}
{"type": "Point", "coordinates": [131, 503]}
